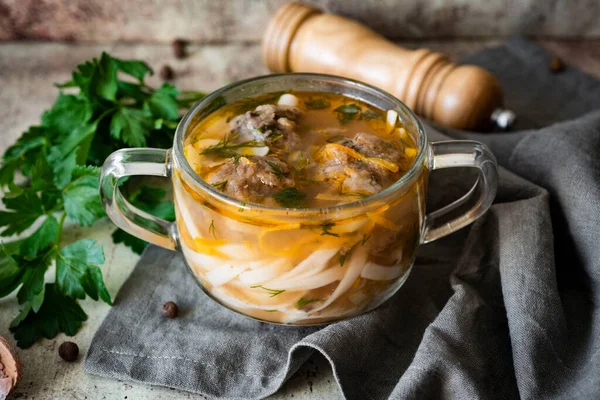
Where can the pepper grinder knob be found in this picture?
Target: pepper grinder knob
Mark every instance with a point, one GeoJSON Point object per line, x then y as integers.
{"type": "Point", "coordinates": [300, 38]}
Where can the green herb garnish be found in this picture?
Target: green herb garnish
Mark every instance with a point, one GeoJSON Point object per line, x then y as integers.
{"type": "Point", "coordinates": [212, 230]}
{"type": "Point", "coordinates": [241, 209]}
{"type": "Point", "coordinates": [290, 198]}
{"type": "Point", "coordinates": [347, 112]}
{"type": "Point", "coordinates": [273, 137]}
{"type": "Point", "coordinates": [303, 302]}
{"type": "Point", "coordinates": [270, 310]}
{"type": "Point", "coordinates": [343, 258]}
{"type": "Point", "coordinates": [227, 147]}
{"type": "Point", "coordinates": [220, 185]}
{"type": "Point", "coordinates": [272, 292]}
{"type": "Point", "coordinates": [317, 103]}
{"type": "Point", "coordinates": [365, 239]}
{"type": "Point", "coordinates": [59, 159]}
{"type": "Point", "coordinates": [326, 229]}
{"type": "Point", "coordinates": [277, 170]}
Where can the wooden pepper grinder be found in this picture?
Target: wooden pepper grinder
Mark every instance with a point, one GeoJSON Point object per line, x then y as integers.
{"type": "Point", "coordinates": [301, 38]}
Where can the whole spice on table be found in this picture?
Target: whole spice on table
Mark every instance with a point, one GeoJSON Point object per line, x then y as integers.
{"type": "Point", "coordinates": [68, 351]}
{"type": "Point", "coordinates": [170, 309]}
{"type": "Point", "coordinates": [167, 73]}
{"type": "Point", "coordinates": [101, 112]}
{"type": "Point", "coordinates": [179, 48]}
{"type": "Point", "coordinates": [556, 65]}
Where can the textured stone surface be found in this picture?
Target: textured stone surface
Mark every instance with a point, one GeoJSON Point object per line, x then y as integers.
{"type": "Point", "coordinates": [27, 71]}
{"type": "Point", "coordinates": [210, 21]}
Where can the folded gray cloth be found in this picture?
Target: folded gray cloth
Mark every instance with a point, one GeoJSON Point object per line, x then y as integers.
{"type": "Point", "coordinates": [506, 308]}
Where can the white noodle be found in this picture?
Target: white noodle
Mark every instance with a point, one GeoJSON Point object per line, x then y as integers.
{"type": "Point", "coordinates": [262, 275]}
{"type": "Point", "coordinates": [380, 273]}
{"type": "Point", "coordinates": [314, 263]}
{"type": "Point", "coordinates": [355, 266]}
{"type": "Point", "coordinates": [315, 281]}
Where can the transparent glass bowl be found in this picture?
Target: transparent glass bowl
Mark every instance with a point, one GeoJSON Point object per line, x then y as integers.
{"type": "Point", "coordinates": [299, 266]}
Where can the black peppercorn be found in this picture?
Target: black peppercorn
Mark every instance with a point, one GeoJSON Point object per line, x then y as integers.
{"type": "Point", "coordinates": [170, 309]}
{"type": "Point", "coordinates": [556, 65]}
{"type": "Point", "coordinates": [68, 351]}
{"type": "Point", "coordinates": [179, 48]}
{"type": "Point", "coordinates": [167, 73]}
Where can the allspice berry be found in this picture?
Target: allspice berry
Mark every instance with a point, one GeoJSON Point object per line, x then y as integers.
{"type": "Point", "coordinates": [179, 48]}
{"type": "Point", "coordinates": [170, 309]}
{"type": "Point", "coordinates": [68, 351]}
{"type": "Point", "coordinates": [556, 65]}
{"type": "Point", "coordinates": [167, 73]}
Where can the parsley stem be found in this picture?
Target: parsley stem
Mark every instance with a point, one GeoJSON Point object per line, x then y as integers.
{"type": "Point", "coordinates": [105, 113]}
{"type": "Point", "coordinates": [60, 226]}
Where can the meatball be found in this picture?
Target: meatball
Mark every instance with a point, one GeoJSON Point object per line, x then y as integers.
{"type": "Point", "coordinates": [275, 125]}
{"type": "Point", "coordinates": [252, 178]}
{"type": "Point", "coordinates": [352, 171]}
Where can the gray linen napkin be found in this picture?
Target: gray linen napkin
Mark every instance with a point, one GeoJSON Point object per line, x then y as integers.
{"type": "Point", "coordinates": [506, 308]}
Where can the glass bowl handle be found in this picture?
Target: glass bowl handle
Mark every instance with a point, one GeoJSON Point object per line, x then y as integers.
{"type": "Point", "coordinates": [129, 162]}
{"type": "Point", "coordinates": [462, 153]}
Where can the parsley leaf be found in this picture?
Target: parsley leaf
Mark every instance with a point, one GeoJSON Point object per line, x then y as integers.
{"type": "Point", "coordinates": [163, 102]}
{"type": "Point", "coordinates": [25, 209]}
{"type": "Point", "coordinates": [81, 201]}
{"type": "Point", "coordinates": [43, 237]}
{"type": "Point", "coordinates": [10, 273]}
{"type": "Point", "coordinates": [77, 272]}
{"type": "Point", "coordinates": [137, 245]}
{"type": "Point", "coordinates": [68, 113]}
{"type": "Point", "coordinates": [137, 69]}
{"type": "Point", "coordinates": [347, 112]}
{"type": "Point", "coordinates": [131, 126]}
{"type": "Point", "coordinates": [58, 313]}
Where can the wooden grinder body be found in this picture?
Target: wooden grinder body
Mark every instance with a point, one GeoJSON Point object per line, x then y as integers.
{"type": "Point", "coordinates": [300, 38]}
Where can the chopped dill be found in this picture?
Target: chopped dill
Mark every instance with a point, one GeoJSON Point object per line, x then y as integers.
{"type": "Point", "coordinates": [343, 258]}
{"type": "Point", "coordinates": [277, 170]}
{"type": "Point", "coordinates": [303, 302]}
{"type": "Point", "coordinates": [227, 147]}
{"type": "Point", "coordinates": [317, 103]}
{"type": "Point", "coordinates": [365, 239]}
{"type": "Point", "coordinates": [326, 229]}
{"type": "Point", "coordinates": [347, 112]}
{"type": "Point", "coordinates": [275, 136]}
{"type": "Point", "coordinates": [212, 230]}
{"type": "Point", "coordinates": [290, 198]}
{"type": "Point", "coordinates": [272, 292]}
{"type": "Point", "coordinates": [241, 209]}
{"type": "Point", "coordinates": [220, 185]}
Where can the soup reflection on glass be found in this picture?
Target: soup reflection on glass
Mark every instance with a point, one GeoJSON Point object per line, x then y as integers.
{"type": "Point", "coordinates": [300, 150]}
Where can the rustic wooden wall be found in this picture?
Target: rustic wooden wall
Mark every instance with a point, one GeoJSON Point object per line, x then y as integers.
{"type": "Point", "coordinates": [220, 21]}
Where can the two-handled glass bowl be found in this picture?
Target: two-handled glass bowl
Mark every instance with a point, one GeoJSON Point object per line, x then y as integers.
{"type": "Point", "coordinates": [299, 266]}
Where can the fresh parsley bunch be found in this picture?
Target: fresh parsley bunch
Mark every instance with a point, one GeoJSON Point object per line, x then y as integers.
{"type": "Point", "coordinates": [106, 106]}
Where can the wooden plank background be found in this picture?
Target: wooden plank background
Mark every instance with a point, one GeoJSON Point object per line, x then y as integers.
{"type": "Point", "coordinates": [220, 21]}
